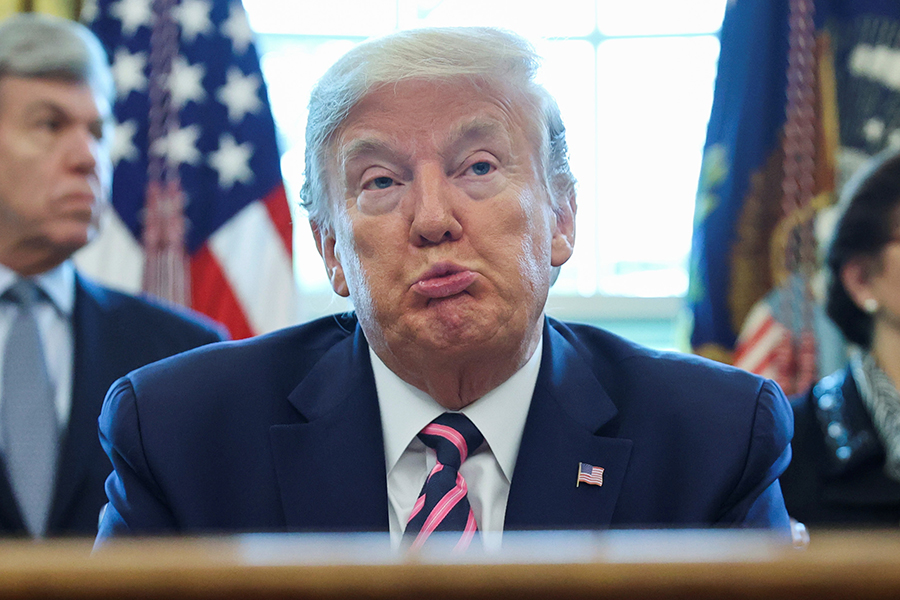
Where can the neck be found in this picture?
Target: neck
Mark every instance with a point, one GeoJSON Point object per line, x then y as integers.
{"type": "Point", "coordinates": [28, 262]}
{"type": "Point", "coordinates": [456, 380]}
{"type": "Point", "coordinates": [886, 348]}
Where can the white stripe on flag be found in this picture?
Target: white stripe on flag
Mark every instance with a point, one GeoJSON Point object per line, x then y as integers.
{"type": "Point", "coordinates": [256, 264]}
{"type": "Point", "coordinates": [753, 358]}
{"type": "Point", "coordinates": [114, 258]}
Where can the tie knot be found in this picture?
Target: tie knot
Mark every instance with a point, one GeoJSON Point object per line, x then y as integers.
{"type": "Point", "coordinates": [23, 292]}
{"type": "Point", "coordinates": [453, 437]}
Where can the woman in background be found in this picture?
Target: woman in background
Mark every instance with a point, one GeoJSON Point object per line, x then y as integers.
{"type": "Point", "coordinates": [846, 466]}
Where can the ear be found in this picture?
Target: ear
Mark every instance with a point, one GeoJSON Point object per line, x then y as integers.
{"type": "Point", "coordinates": [856, 277]}
{"type": "Point", "coordinates": [325, 244]}
{"type": "Point", "coordinates": [563, 243]}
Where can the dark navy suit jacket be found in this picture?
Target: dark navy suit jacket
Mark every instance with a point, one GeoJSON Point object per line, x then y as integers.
{"type": "Point", "coordinates": [837, 478]}
{"type": "Point", "coordinates": [114, 334]}
{"type": "Point", "coordinates": [282, 433]}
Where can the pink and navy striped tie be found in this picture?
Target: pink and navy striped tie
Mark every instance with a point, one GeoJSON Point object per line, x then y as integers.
{"type": "Point", "coordinates": [442, 505]}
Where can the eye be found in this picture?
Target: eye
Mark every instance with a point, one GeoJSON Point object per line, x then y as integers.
{"type": "Point", "coordinates": [481, 168]}
{"type": "Point", "coordinates": [51, 124]}
{"type": "Point", "coordinates": [380, 183]}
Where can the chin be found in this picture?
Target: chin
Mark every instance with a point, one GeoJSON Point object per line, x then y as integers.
{"type": "Point", "coordinates": [74, 239]}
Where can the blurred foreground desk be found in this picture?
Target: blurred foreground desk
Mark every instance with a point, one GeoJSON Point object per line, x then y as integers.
{"type": "Point", "coordinates": [621, 565]}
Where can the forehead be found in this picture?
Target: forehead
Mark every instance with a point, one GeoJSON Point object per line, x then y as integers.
{"type": "Point", "coordinates": [434, 112]}
{"type": "Point", "coordinates": [20, 95]}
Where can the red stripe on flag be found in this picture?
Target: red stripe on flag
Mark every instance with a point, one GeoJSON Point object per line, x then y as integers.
{"type": "Point", "coordinates": [744, 346]}
{"type": "Point", "coordinates": [765, 363]}
{"type": "Point", "coordinates": [280, 213]}
{"type": "Point", "coordinates": [212, 295]}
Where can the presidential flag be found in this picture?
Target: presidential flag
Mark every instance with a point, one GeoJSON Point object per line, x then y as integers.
{"type": "Point", "coordinates": [805, 93]}
{"type": "Point", "coordinates": [201, 216]}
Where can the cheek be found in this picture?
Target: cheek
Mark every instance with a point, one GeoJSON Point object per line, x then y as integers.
{"type": "Point", "coordinates": [365, 256]}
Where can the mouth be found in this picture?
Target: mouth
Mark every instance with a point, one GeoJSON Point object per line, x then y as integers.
{"type": "Point", "coordinates": [80, 198]}
{"type": "Point", "coordinates": [444, 280]}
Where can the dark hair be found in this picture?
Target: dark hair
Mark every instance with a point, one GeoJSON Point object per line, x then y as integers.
{"type": "Point", "coordinates": [868, 223]}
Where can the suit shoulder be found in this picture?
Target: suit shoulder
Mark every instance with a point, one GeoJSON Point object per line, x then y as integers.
{"type": "Point", "coordinates": [150, 315]}
{"type": "Point", "coordinates": [623, 357]}
{"type": "Point", "coordinates": [292, 350]}
{"type": "Point", "coordinates": [671, 387]}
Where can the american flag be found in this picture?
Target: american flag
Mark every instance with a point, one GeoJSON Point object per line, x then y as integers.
{"type": "Point", "coordinates": [200, 213]}
{"type": "Point", "coordinates": [589, 474]}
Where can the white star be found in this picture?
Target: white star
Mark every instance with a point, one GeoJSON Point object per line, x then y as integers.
{"type": "Point", "coordinates": [186, 82]}
{"type": "Point", "coordinates": [893, 140]}
{"type": "Point", "coordinates": [179, 146]}
{"type": "Point", "coordinates": [88, 11]}
{"type": "Point", "coordinates": [133, 14]}
{"type": "Point", "coordinates": [123, 147]}
{"type": "Point", "coordinates": [239, 94]}
{"type": "Point", "coordinates": [238, 29]}
{"type": "Point", "coordinates": [232, 161]}
{"type": "Point", "coordinates": [193, 16]}
{"type": "Point", "coordinates": [128, 71]}
{"type": "Point", "coordinates": [873, 129]}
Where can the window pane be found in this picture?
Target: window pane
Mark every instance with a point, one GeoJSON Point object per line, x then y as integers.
{"type": "Point", "coordinates": [559, 18]}
{"type": "Point", "coordinates": [331, 17]}
{"type": "Point", "coordinates": [635, 111]}
{"type": "Point", "coordinates": [651, 17]}
{"type": "Point", "coordinates": [577, 103]}
{"type": "Point", "coordinates": [654, 95]}
{"type": "Point", "coordinates": [291, 70]}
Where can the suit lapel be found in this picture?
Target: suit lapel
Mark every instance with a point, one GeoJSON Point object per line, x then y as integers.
{"type": "Point", "coordinates": [330, 468]}
{"type": "Point", "coordinates": [567, 410]}
{"type": "Point", "coordinates": [88, 391]}
{"type": "Point", "coordinates": [10, 518]}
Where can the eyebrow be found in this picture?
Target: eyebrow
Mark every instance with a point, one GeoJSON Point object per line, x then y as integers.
{"type": "Point", "coordinates": [470, 131]}
{"type": "Point", "coordinates": [476, 130]}
{"type": "Point", "coordinates": [365, 146]}
{"type": "Point", "coordinates": [52, 106]}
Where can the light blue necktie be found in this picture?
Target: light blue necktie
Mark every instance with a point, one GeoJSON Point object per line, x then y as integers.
{"type": "Point", "coordinates": [28, 413]}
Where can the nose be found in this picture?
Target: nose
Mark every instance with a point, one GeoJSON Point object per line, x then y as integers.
{"type": "Point", "coordinates": [84, 150]}
{"type": "Point", "coordinates": [435, 219]}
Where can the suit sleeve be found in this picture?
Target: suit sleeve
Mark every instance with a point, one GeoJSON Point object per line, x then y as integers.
{"type": "Point", "coordinates": [135, 502]}
{"type": "Point", "coordinates": [757, 501]}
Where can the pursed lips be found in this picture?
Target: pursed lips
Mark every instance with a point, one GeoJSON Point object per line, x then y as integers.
{"type": "Point", "coordinates": [444, 280]}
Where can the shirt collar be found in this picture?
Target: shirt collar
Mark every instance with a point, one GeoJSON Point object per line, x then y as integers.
{"type": "Point", "coordinates": [57, 283]}
{"type": "Point", "coordinates": [499, 415]}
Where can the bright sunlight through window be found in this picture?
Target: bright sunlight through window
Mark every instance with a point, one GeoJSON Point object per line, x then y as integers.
{"type": "Point", "coordinates": [634, 81]}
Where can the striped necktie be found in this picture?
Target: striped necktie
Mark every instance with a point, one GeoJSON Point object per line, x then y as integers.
{"type": "Point", "coordinates": [28, 412]}
{"type": "Point", "coordinates": [442, 505]}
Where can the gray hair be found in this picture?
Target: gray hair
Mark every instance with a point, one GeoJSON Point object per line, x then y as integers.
{"type": "Point", "coordinates": [40, 45]}
{"type": "Point", "coordinates": [481, 54]}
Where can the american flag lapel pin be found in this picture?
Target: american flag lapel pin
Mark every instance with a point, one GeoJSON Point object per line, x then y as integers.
{"type": "Point", "coordinates": [589, 474]}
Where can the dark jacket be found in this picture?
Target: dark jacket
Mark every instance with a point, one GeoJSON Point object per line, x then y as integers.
{"type": "Point", "coordinates": [282, 433]}
{"type": "Point", "coordinates": [114, 333]}
{"type": "Point", "coordinates": [836, 478]}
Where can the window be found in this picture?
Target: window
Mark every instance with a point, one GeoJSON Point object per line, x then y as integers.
{"type": "Point", "coordinates": [634, 81]}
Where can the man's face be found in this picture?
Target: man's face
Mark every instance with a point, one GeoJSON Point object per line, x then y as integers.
{"type": "Point", "coordinates": [54, 170]}
{"type": "Point", "coordinates": [444, 234]}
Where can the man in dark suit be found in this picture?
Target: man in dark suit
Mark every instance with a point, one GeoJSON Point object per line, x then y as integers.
{"type": "Point", "coordinates": [55, 97]}
{"type": "Point", "coordinates": [441, 201]}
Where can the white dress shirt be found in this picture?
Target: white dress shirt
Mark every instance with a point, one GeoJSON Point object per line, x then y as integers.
{"type": "Point", "coordinates": [499, 415]}
{"type": "Point", "coordinates": [54, 320]}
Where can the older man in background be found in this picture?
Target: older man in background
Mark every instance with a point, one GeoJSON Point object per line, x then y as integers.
{"type": "Point", "coordinates": [442, 203]}
{"type": "Point", "coordinates": [64, 338]}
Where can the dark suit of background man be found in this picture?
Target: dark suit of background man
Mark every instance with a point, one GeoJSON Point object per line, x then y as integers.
{"type": "Point", "coordinates": [55, 95]}
{"type": "Point", "coordinates": [442, 203]}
